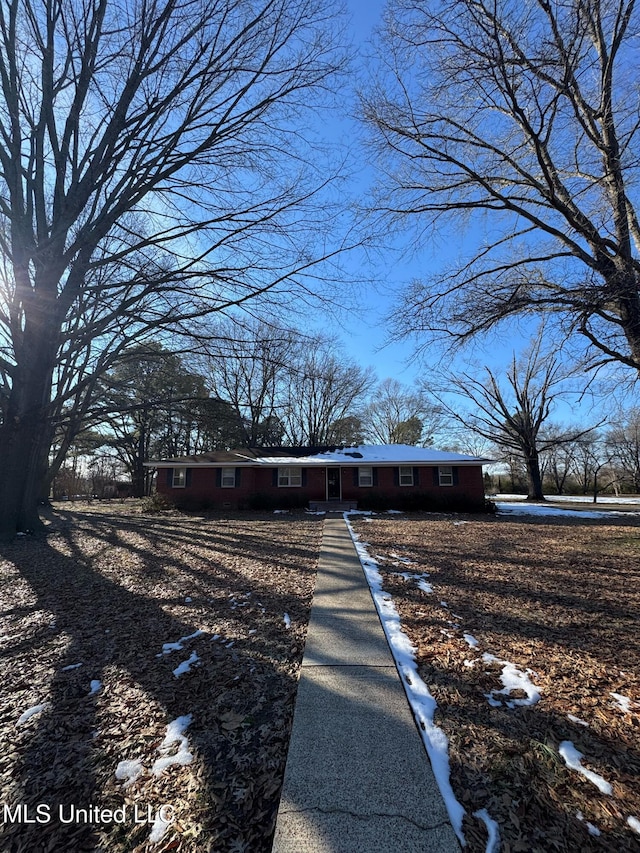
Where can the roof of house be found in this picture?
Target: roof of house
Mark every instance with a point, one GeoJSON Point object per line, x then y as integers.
{"type": "Point", "coordinates": [362, 454]}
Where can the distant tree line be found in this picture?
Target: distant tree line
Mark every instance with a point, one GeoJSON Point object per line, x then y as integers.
{"type": "Point", "coordinates": [252, 385]}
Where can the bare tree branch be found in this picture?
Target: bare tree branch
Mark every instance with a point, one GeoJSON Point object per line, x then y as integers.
{"type": "Point", "coordinates": [528, 114]}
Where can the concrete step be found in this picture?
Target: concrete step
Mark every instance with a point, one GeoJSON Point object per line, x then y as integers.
{"type": "Point", "coordinates": [332, 506]}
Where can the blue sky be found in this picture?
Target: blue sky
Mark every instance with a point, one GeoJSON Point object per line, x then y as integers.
{"type": "Point", "coordinates": [365, 334]}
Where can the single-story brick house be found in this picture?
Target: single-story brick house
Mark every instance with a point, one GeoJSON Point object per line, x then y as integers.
{"type": "Point", "coordinates": [393, 476]}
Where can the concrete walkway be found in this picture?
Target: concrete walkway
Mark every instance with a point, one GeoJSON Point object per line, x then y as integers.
{"type": "Point", "coordinates": [357, 778]}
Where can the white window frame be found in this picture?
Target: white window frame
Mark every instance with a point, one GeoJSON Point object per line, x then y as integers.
{"type": "Point", "coordinates": [228, 478]}
{"type": "Point", "coordinates": [406, 478]}
{"type": "Point", "coordinates": [179, 478]}
{"type": "Point", "coordinates": [290, 477]}
{"type": "Point", "coordinates": [365, 480]}
{"type": "Point", "coordinates": [445, 475]}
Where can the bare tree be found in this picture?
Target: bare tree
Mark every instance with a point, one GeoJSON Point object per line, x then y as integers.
{"type": "Point", "coordinates": [594, 466]}
{"type": "Point", "coordinates": [622, 441]}
{"type": "Point", "coordinates": [248, 364]}
{"type": "Point", "coordinates": [512, 414]}
{"type": "Point", "coordinates": [397, 414]}
{"type": "Point", "coordinates": [559, 455]}
{"type": "Point", "coordinates": [324, 388]}
{"type": "Point", "coordinates": [522, 118]}
{"type": "Point", "coordinates": [153, 169]}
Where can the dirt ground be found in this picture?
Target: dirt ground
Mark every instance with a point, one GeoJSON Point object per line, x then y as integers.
{"type": "Point", "coordinates": [559, 598]}
{"type": "Point", "coordinates": [86, 613]}
{"type": "Point", "coordinates": [88, 610]}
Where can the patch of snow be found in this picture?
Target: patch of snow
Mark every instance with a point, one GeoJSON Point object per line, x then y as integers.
{"type": "Point", "coordinates": [130, 771]}
{"type": "Point", "coordinates": [160, 826]}
{"type": "Point", "coordinates": [470, 640]}
{"type": "Point", "coordinates": [512, 679]}
{"type": "Point", "coordinates": [186, 665]}
{"type": "Point", "coordinates": [586, 499]}
{"type": "Point", "coordinates": [577, 720]}
{"type": "Point", "coordinates": [573, 760]}
{"type": "Point", "coordinates": [167, 648]}
{"type": "Point", "coordinates": [422, 703]}
{"type": "Point", "coordinates": [634, 823]}
{"type": "Point", "coordinates": [287, 620]}
{"type": "Point", "coordinates": [592, 830]}
{"type": "Point", "coordinates": [623, 702]}
{"type": "Point", "coordinates": [175, 734]}
{"type": "Point", "coordinates": [71, 666]}
{"type": "Point", "coordinates": [188, 600]}
{"type": "Point", "coordinates": [31, 712]}
{"type": "Point", "coordinates": [546, 510]}
{"type": "Point", "coordinates": [419, 579]}
{"type": "Point", "coordinates": [493, 830]}
{"type": "Point", "coordinates": [95, 686]}
{"type": "Point", "coordinates": [400, 558]}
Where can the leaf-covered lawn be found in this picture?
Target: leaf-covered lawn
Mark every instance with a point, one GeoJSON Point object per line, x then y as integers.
{"type": "Point", "coordinates": [97, 618]}
{"type": "Point", "coordinates": [560, 600]}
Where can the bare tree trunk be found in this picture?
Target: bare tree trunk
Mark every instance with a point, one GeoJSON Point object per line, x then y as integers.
{"type": "Point", "coordinates": [534, 478]}
{"type": "Point", "coordinates": [24, 437]}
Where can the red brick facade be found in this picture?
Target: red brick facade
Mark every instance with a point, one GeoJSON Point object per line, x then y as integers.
{"type": "Point", "coordinates": [257, 487]}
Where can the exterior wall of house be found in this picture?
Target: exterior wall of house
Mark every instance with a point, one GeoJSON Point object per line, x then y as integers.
{"type": "Point", "coordinates": [258, 488]}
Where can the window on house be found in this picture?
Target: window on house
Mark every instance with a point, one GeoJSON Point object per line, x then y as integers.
{"type": "Point", "coordinates": [365, 476]}
{"type": "Point", "coordinates": [445, 476]}
{"type": "Point", "coordinates": [179, 480]}
{"type": "Point", "coordinates": [228, 478]}
{"type": "Point", "coordinates": [289, 476]}
{"type": "Point", "coordinates": [406, 475]}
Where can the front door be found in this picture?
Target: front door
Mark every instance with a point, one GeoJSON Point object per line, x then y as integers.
{"type": "Point", "coordinates": [334, 490]}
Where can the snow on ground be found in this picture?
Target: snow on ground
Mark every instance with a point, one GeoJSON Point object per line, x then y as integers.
{"type": "Point", "coordinates": [287, 620]}
{"type": "Point", "coordinates": [623, 702]}
{"type": "Point", "coordinates": [130, 770]}
{"type": "Point", "coordinates": [175, 734]}
{"type": "Point", "coordinates": [518, 505]}
{"type": "Point", "coordinates": [513, 679]}
{"type": "Point", "coordinates": [422, 702]}
{"type": "Point", "coordinates": [592, 830]}
{"type": "Point", "coordinates": [186, 665]}
{"type": "Point", "coordinates": [420, 699]}
{"type": "Point", "coordinates": [167, 648]}
{"type": "Point", "coordinates": [577, 720]}
{"type": "Point", "coordinates": [573, 760]}
{"type": "Point", "coordinates": [95, 686]}
{"type": "Point", "coordinates": [504, 508]}
{"type": "Point", "coordinates": [493, 831]}
{"type": "Point", "coordinates": [580, 499]}
{"type": "Point", "coordinates": [31, 712]}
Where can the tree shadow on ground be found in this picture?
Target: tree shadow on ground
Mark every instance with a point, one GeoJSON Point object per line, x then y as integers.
{"type": "Point", "coordinates": [240, 696]}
